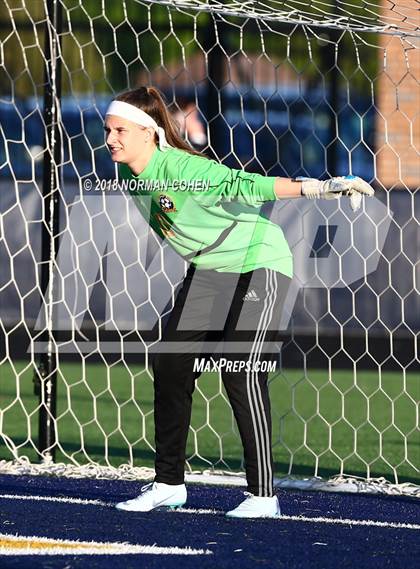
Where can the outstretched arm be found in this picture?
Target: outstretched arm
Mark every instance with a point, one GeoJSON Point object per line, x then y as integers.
{"type": "Point", "coordinates": [286, 188]}
{"type": "Point", "coordinates": [311, 188]}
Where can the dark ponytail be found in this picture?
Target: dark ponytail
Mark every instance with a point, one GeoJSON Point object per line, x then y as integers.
{"type": "Point", "coordinates": [151, 101]}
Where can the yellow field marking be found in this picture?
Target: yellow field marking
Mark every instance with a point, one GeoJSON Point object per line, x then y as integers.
{"type": "Point", "coordinates": [23, 543]}
{"type": "Point", "coordinates": [33, 545]}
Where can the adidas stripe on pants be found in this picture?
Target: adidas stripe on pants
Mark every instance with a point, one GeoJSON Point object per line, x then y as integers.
{"type": "Point", "coordinates": [242, 311]}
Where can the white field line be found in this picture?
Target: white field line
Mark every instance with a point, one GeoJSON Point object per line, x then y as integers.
{"type": "Point", "coordinates": [283, 517]}
{"type": "Point", "coordinates": [55, 499]}
{"type": "Point", "coordinates": [34, 545]}
{"type": "Point", "coordinates": [320, 520]}
{"type": "Point", "coordinates": [345, 522]}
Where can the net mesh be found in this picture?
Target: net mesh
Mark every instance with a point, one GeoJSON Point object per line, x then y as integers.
{"type": "Point", "coordinates": [257, 85]}
{"type": "Point", "coordinates": [383, 16]}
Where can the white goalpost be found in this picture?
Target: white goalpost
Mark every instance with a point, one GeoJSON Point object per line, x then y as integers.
{"type": "Point", "coordinates": [314, 88]}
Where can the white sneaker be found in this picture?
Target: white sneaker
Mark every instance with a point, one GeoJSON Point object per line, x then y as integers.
{"type": "Point", "coordinates": [155, 495]}
{"type": "Point", "coordinates": [256, 507]}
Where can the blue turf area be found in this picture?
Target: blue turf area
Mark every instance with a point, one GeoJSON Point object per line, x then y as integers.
{"type": "Point", "coordinates": [234, 544]}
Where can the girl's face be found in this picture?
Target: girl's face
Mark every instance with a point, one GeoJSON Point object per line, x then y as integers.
{"type": "Point", "coordinates": [127, 141]}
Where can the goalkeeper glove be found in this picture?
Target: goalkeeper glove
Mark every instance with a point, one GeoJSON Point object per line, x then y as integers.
{"type": "Point", "coordinates": [350, 186]}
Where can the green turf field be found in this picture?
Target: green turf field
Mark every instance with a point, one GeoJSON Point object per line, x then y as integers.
{"type": "Point", "coordinates": [106, 414]}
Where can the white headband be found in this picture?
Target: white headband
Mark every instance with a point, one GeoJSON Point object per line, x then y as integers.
{"type": "Point", "coordinates": [136, 115]}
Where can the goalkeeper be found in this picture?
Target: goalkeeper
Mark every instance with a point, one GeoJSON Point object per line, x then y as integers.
{"type": "Point", "coordinates": [240, 269]}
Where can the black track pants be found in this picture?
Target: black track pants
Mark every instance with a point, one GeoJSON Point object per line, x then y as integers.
{"type": "Point", "coordinates": [242, 310]}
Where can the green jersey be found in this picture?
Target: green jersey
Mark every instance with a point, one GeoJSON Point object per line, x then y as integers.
{"type": "Point", "coordinates": [209, 213]}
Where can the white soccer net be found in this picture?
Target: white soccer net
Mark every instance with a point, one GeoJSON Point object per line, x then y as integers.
{"type": "Point", "coordinates": [283, 88]}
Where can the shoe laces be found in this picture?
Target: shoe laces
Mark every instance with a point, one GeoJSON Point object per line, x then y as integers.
{"type": "Point", "coordinates": [249, 495]}
{"type": "Point", "coordinates": [146, 487]}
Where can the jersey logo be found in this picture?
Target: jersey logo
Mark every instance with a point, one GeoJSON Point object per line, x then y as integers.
{"type": "Point", "coordinates": [166, 204]}
{"type": "Point", "coordinates": [251, 296]}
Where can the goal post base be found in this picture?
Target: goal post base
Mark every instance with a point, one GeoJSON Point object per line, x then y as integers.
{"type": "Point", "coordinates": [340, 483]}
